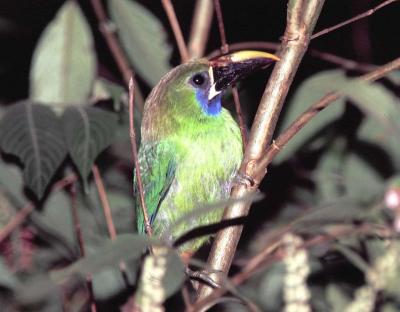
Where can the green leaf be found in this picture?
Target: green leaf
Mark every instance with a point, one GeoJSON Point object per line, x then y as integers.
{"type": "Point", "coordinates": [307, 94]}
{"type": "Point", "coordinates": [394, 77]}
{"type": "Point", "coordinates": [125, 247]}
{"type": "Point", "coordinates": [175, 275]}
{"type": "Point", "coordinates": [12, 183]}
{"type": "Point", "coordinates": [361, 181]}
{"type": "Point", "coordinates": [337, 298]}
{"type": "Point", "coordinates": [55, 222]}
{"type": "Point", "coordinates": [143, 37]}
{"type": "Point", "coordinates": [376, 102]}
{"type": "Point", "coordinates": [33, 133]}
{"type": "Point", "coordinates": [328, 174]}
{"type": "Point", "coordinates": [87, 131]}
{"type": "Point", "coordinates": [63, 64]}
{"type": "Point", "coordinates": [8, 279]}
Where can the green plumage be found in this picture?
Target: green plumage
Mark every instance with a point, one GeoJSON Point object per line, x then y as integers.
{"type": "Point", "coordinates": [188, 156]}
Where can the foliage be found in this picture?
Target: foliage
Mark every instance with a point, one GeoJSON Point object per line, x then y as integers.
{"type": "Point", "coordinates": [334, 185]}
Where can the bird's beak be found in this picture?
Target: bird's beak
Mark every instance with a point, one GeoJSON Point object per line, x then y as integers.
{"type": "Point", "coordinates": [227, 69]}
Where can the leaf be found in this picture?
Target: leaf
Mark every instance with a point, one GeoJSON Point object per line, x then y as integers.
{"type": "Point", "coordinates": [394, 76]}
{"type": "Point", "coordinates": [361, 181]}
{"type": "Point", "coordinates": [307, 94]}
{"type": "Point", "coordinates": [87, 131]}
{"type": "Point", "coordinates": [337, 298]}
{"type": "Point", "coordinates": [63, 64]}
{"type": "Point", "coordinates": [329, 172]}
{"type": "Point", "coordinates": [125, 247]}
{"type": "Point", "coordinates": [104, 90]}
{"type": "Point", "coordinates": [12, 183]}
{"type": "Point", "coordinates": [55, 222]}
{"type": "Point", "coordinates": [33, 133]}
{"type": "Point", "coordinates": [143, 37]}
{"type": "Point", "coordinates": [175, 274]}
{"type": "Point", "coordinates": [8, 279]}
{"type": "Point", "coordinates": [376, 102]}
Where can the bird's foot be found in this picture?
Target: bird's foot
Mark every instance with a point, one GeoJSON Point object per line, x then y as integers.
{"type": "Point", "coordinates": [203, 276]}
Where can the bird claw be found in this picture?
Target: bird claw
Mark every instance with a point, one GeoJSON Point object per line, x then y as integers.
{"type": "Point", "coordinates": [203, 276]}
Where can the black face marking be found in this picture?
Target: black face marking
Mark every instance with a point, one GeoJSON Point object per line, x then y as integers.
{"type": "Point", "coordinates": [200, 80]}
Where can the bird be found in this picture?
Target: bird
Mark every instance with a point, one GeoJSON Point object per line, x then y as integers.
{"type": "Point", "coordinates": [191, 147]}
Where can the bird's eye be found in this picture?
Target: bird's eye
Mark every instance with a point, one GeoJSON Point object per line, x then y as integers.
{"type": "Point", "coordinates": [199, 80]}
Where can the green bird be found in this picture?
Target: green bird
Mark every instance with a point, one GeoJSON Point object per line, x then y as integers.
{"type": "Point", "coordinates": [191, 147]}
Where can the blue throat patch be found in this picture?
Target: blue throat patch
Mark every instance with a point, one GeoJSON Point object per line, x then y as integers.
{"type": "Point", "coordinates": [211, 108]}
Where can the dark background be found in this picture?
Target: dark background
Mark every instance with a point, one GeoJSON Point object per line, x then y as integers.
{"type": "Point", "coordinates": [375, 39]}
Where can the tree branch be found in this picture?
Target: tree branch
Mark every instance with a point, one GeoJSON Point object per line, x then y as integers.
{"type": "Point", "coordinates": [202, 18]}
{"type": "Point", "coordinates": [314, 109]}
{"type": "Point", "coordinates": [353, 19]}
{"type": "Point", "coordinates": [302, 16]}
{"type": "Point", "coordinates": [176, 29]}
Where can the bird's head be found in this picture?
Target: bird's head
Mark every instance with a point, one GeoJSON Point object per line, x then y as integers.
{"type": "Point", "coordinates": [192, 92]}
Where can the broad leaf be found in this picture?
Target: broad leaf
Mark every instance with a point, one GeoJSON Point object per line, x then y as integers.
{"type": "Point", "coordinates": [375, 101]}
{"type": "Point", "coordinates": [125, 247]}
{"type": "Point", "coordinates": [33, 133]}
{"type": "Point", "coordinates": [307, 94]}
{"type": "Point", "coordinates": [12, 183]}
{"type": "Point", "coordinates": [143, 37]}
{"type": "Point", "coordinates": [361, 181]}
{"type": "Point", "coordinates": [63, 65]}
{"type": "Point", "coordinates": [87, 131]}
{"type": "Point", "coordinates": [175, 274]}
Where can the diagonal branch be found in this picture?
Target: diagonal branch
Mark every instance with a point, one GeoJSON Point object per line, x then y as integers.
{"type": "Point", "coordinates": [353, 19]}
{"type": "Point", "coordinates": [302, 16]}
{"type": "Point", "coordinates": [314, 109]}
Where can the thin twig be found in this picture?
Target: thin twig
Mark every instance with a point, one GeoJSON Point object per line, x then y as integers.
{"type": "Point", "coordinates": [200, 29]}
{"type": "Point", "coordinates": [301, 21]}
{"type": "Point", "coordinates": [242, 124]}
{"type": "Point", "coordinates": [79, 237]}
{"type": "Point", "coordinates": [221, 27]}
{"type": "Point", "coordinates": [274, 46]}
{"type": "Point", "coordinates": [225, 50]}
{"type": "Point", "coordinates": [112, 42]}
{"type": "Point", "coordinates": [132, 135]}
{"type": "Point", "coordinates": [104, 202]}
{"type": "Point", "coordinates": [353, 19]}
{"type": "Point", "coordinates": [77, 223]}
{"type": "Point", "coordinates": [20, 217]}
{"type": "Point", "coordinates": [314, 109]}
{"type": "Point", "coordinates": [176, 29]}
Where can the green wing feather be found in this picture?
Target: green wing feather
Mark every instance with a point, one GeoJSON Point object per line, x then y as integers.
{"type": "Point", "coordinates": [157, 169]}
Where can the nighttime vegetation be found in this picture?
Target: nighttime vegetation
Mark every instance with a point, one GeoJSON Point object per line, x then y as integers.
{"type": "Point", "coordinates": [313, 216]}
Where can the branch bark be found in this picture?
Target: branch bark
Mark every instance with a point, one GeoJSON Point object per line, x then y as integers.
{"type": "Point", "coordinates": [302, 16]}
{"type": "Point", "coordinates": [202, 18]}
